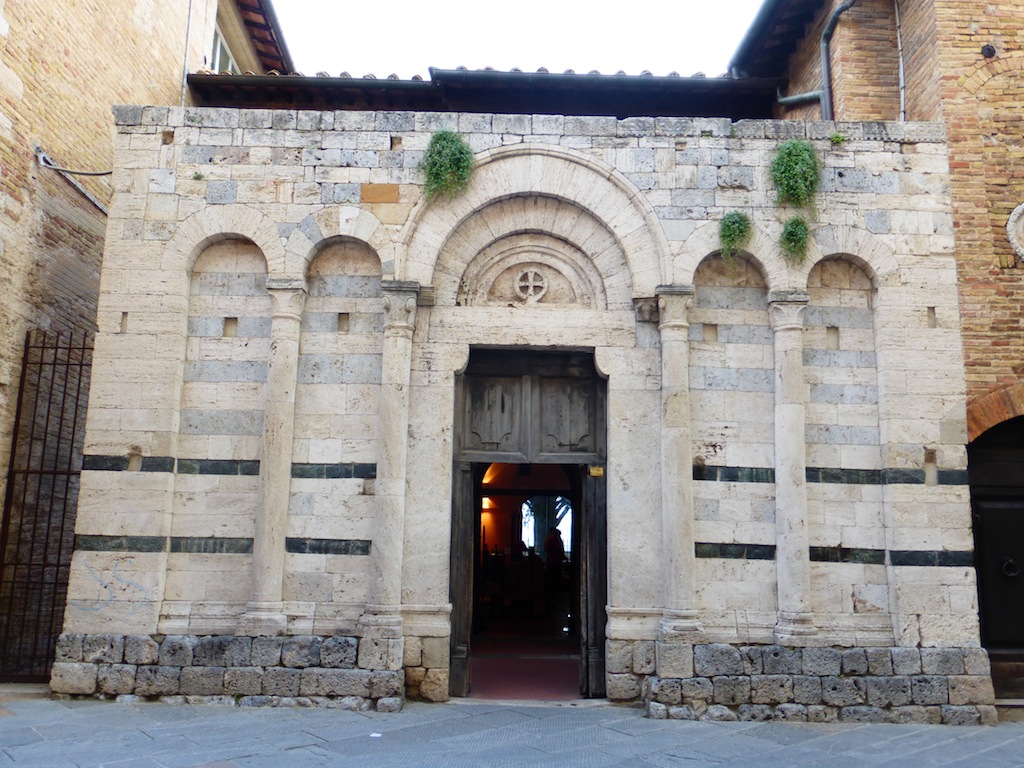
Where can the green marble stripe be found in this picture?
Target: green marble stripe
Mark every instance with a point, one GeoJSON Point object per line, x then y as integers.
{"type": "Point", "coordinates": [846, 476]}
{"type": "Point", "coordinates": [91, 543]}
{"type": "Point", "coordinates": [933, 558]}
{"type": "Point", "coordinates": [327, 546]}
{"type": "Point", "coordinates": [837, 475]}
{"type": "Point", "coordinates": [734, 474]}
{"type": "Point", "coordinates": [96, 462]}
{"type": "Point", "coordinates": [218, 467]}
{"type": "Point", "coordinates": [211, 545]}
{"type": "Point", "coordinates": [847, 555]}
{"type": "Point", "coordinates": [704, 549]}
{"type": "Point", "coordinates": [334, 471]}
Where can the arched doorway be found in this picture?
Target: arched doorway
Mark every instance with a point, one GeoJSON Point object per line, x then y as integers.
{"type": "Point", "coordinates": [529, 457]}
{"type": "Point", "coordinates": [996, 467]}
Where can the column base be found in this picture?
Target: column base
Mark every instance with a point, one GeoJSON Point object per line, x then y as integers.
{"type": "Point", "coordinates": [793, 628]}
{"type": "Point", "coordinates": [263, 620]}
{"type": "Point", "coordinates": [383, 642]}
{"type": "Point", "coordinates": [381, 621]}
{"type": "Point", "coordinates": [680, 626]}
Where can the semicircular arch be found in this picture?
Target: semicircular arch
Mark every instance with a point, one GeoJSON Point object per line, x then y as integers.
{"type": "Point", "coordinates": [223, 222]}
{"type": "Point", "coordinates": [553, 172]}
{"type": "Point", "coordinates": [704, 242]}
{"type": "Point", "coordinates": [329, 224]}
{"type": "Point", "coordinates": [857, 245]}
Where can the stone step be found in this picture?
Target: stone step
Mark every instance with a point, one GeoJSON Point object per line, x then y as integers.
{"type": "Point", "coordinates": [1007, 674]}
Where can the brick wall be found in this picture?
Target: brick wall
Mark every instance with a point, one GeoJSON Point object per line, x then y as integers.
{"type": "Point", "coordinates": [864, 64]}
{"type": "Point", "coordinates": [981, 100]}
{"type": "Point", "coordinates": [61, 69]}
{"type": "Point", "coordinates": [920, 60]}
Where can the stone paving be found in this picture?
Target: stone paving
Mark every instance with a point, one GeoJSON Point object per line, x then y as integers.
{"type": "Point", "coordinates": [88, 733]}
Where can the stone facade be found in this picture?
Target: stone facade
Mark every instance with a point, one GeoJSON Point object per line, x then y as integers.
{"type": "Point", "coordinates": [283, 319]}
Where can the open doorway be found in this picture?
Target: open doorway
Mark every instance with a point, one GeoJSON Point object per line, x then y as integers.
{"type": "Point", "coordinates": [526, 586]}
{"type": "Point", "coordinates": [529, 455]}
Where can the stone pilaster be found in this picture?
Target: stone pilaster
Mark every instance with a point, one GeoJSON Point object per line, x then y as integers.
{"type": "Point", "coordinates": [679, 619]}
{"type": "Point", "coordinates": [792, 557]}
{"type": "Point", "coordinates": [382, 620]}
{"type": "Point", "coordinates": [264, 614]}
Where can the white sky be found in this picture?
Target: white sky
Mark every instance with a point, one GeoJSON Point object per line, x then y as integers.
{"type": "Point", "coordinates": [406, 37]}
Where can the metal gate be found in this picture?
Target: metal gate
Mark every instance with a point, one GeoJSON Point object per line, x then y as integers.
{"type": "Point", "coordinates": [38, 529]}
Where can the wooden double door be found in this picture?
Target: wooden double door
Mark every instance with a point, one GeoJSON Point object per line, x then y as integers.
{"type": "Point", "coordinates": [531, 409]}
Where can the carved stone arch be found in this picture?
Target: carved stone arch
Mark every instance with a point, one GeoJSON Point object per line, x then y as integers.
{"type": "Point", "coordinates": [222, 222]}
{"type": "Point", "coordinates": [332, 223]}
{"type": "Point", "coordinates": [570, 241]}
{"type": "Point", "coordinates": [554, 172]}
{"type": "Point", "coordinates": [993, 408]}
{"type": "Point", "coordinates": [856, 245]}
{"type": "Point", "coordinates": [704, 242]}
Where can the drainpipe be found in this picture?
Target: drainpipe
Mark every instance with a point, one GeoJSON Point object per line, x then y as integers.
{"type": "Point", "coordinates": [826, 63]}
{"type": "Point", "coordinates": [902, 70]}
{"type": "Point", "coordinates": [798, 99]}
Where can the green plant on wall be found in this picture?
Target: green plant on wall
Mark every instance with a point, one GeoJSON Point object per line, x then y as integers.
{"type": "Point", "coordinates": [794, 239]}
{"type": "Point", "coordinates": [734, 231]}
{"type": "Point", "coordinates": [795, 173]}
{"type": "Point", "coordinates": [447, 163]}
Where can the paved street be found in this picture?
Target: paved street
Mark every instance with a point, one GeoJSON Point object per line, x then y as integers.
{"type": "Point", "coordinates": [42, 732]}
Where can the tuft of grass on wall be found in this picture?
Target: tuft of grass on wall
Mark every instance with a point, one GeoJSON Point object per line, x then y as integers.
{"type": "Point", "coordinates": [447, 164]}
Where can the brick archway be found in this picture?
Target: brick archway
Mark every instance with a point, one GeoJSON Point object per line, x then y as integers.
{"type": "Point", "coordinates": [994, 408]}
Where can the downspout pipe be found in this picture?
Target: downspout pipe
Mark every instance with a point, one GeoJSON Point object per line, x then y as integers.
{"type": "Point", "coordinates": [826, 61]}
{"type": "Point", "coordinates": [798, 99]}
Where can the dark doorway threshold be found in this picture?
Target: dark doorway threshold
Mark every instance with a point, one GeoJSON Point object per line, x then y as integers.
{"type": "Point", "coordinates": [524, 660]}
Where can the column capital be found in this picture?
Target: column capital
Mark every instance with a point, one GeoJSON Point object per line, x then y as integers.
{"type": "Point", "coordinates": [399, 305]}
{"type": "Point", "coordinates": [287, 297]}
{"type": "Point", "coordinates": [786, 309]}
{"type": "Point", "coordinates": [674, 305]}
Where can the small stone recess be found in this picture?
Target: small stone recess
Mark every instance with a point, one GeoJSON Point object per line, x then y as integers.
{"type": "Point", "coordinates": [867, 685]}
{"type": "Point", "coordinates": [248, 671]}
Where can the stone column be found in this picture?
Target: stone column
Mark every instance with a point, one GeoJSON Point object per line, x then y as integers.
{"type": "Point", "coordinates": [264, 614]}
{"type": "Point", "coordinates": [679, 618]}
{"type": "Point", "coordinates": [381, 623]}
{"type": "Point", "coordinates": [792, 556]}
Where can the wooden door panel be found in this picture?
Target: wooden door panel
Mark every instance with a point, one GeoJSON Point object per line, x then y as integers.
{"type": "Point", "coordinates": [567, 416]}
{"type": "Point", "coordinates": [594, 595]}
{"type": "Point", "coordinates": [494, 414]}
{"type": "Point", "coordinates": [461, 578]}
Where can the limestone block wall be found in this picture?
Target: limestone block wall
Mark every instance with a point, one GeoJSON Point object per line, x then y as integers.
{"type": "Point", "coordinates": [283, 318]}
{"type": "Point", "coordinates": [732, 390]}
